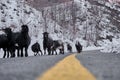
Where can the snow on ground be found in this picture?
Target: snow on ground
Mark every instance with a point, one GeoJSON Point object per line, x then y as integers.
{"type": "Point", "coordinates": [109, 47]}
{"type": "Point", "coordinates": [90, 48]}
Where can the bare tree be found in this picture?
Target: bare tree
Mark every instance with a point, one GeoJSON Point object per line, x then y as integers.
{"type": "Point", "coordinates": [44, 15]}
{"type": "Point", "coordinates": [53, 15]}
{"type": "Point", "coordinates": [73, 18]}
{"type": "Point", "coordinates": [98, 15]}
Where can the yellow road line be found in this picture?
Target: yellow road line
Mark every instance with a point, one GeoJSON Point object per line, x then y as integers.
{"type": "Point", "coordinates": [67, 69]}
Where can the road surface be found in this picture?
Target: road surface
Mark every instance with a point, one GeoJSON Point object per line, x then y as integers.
{"type": "Point", "coordinates": [103, 66]}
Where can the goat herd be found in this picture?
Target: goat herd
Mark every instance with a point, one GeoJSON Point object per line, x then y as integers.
{"type": "Point", "coordinates": [11, 42]}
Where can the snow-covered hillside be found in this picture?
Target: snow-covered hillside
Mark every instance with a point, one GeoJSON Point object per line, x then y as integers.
{"type": "Point", "coordinates": [92, 22]}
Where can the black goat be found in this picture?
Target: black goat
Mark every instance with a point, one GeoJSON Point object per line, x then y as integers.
{"type": "Point", "coordinates": [69, 47]}
{"type": "Point", "coordinates": [52, 45]}
{"type": "Point", "coordinates": [57, 44]}
{"type": "Point", "coordinates": [8, 43]}
{"type": "Point", "coordinates": [47, 43]}
{"type": "Point", "coordinates": [3, 44]}
{"type": "Point", "coordinates": [78, 47]}
{"type": "Point", "coordinates": [36, 49]}
{"type": "Point", "coordinates": [22, 40]}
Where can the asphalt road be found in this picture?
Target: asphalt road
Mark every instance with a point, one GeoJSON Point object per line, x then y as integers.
{"type": "Point", "coordinates": [27, 68]}
{"type": "Point", "coordinates": [104, 66]}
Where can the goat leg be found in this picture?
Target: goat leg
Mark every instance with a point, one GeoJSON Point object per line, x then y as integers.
{"type": "Point", "coordinates": [7, 54]}
{"type": "Point", "coordinates": [49, 51]}
{"type": "Point", "coordinates": [21, 52]}
{"type": "Point", "coordinates": [26, 53]}
{"type": "Point", "coordinates": [44, 51]}
{"type": "Point", "coordinates": [55, 52]}
{"type": "Point", "coordinates": [34, 54]}
{"type": "Point", "coordinates": [4, 53]}
{"type": "Point", "coordinates": [38, 54]}
{"type": "Point", "coordinates": [52, 52]}
{"type": "Point", "coordinates": [18, 54]}
{"type": "Point", "coordinates": [41, 52]}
